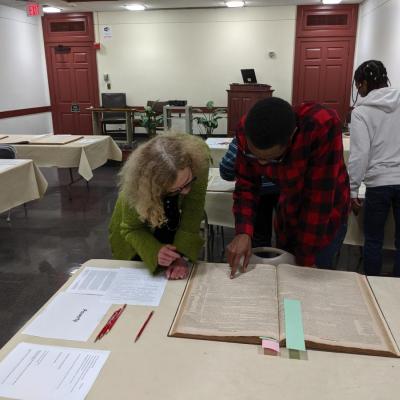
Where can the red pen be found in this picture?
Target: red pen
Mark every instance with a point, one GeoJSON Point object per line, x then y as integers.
{"type": "Point", "coordinates": [110, 323]}
{"type": "Point", "coordinates": [114, 319]}
{"type": "Point", "coordinates": [105, 327]}
{"type": "Point", "coordinates": [143, 326]}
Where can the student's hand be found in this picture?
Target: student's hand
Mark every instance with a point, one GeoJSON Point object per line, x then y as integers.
{"type": "Point", "coordinates": [356, 205]}
{"type": "Point", "coordinates": [239, 248]}
{"type": "Point", "coordinates": [167, 255]}
{"type": "Point", "coordinates": [177, 270]}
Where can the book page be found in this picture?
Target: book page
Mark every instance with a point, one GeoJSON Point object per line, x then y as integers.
{"type": "Point", "coordinates": [338, 309]}
{"type": "Point", "coordinates": [219, 308]}
{"type": "Point", "coordinates": [36, 371]}
{"type": "Point", "coordinates": [386, 291]}
{"type": "Point", "coordinates": [56, 139]}
{"type": "Point", "coordinates": [17, 139]}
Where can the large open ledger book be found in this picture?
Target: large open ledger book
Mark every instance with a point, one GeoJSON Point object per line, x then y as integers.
{"type": "Point", "coordinates": [339, 310]}
{"type": "Point", "coordinates": [16, 139]}
{"type": "Point", "coordinates": [39, 139]}
{"type": "Point", "coordinates": [56, 139]}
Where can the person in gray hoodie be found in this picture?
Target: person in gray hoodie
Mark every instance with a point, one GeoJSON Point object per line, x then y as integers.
{"type": "Point", "coordinates": [375, 159]}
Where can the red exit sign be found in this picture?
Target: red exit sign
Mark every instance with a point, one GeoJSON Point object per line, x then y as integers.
{"type": "Point", "coordinates": [32, 9]}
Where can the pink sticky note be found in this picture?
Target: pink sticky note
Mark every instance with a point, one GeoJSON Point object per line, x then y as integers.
{"type": "Point", "coordinates": [270, 346]}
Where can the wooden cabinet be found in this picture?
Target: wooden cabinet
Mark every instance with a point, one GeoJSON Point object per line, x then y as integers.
{"type": "Point", "coordinates": [241, 97]}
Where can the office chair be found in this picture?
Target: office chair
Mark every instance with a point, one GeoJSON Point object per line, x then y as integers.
{"type": "Point", "coordinates": [113, 100]}
{"type": "Point", "coordinates": [7, 151]}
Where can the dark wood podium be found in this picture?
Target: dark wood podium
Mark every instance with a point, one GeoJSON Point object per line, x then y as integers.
{"type": "Point", "coordinates": [241, 97]}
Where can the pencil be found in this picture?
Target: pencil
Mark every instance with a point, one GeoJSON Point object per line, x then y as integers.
{"type": "Point", "coordinates": [143, 326]}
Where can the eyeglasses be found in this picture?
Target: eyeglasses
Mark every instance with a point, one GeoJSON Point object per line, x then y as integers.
{"type": "Point", "coordinates": [252, 157]}
{"type": "Point", "coordinates": [185, 186]}
{"type": "Point", "coordinates": [280, 159]}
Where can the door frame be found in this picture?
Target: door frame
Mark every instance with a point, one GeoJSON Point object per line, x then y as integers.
{"type": "Point", "coordinates": [52, 40]}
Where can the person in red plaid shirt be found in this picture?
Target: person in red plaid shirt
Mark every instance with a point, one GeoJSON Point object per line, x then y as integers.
{"type": "Point", "coordinates": [300, 150]}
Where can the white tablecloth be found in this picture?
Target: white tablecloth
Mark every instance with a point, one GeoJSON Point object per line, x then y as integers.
{"type": "Point", "coordinates": [217, 184]}
{"type": "Point", "coordinates": [355, 224]}
{"type": "Point", "coordinates": [20, 182]}
{"type": "Point", "coordinates": [218, 148]}
{"type": "Point", "coordinates": [86, 154]}
{"type": "Point", "coordinates": [219, 200]}
{"type": "Point", "coordinates": [346, 148]}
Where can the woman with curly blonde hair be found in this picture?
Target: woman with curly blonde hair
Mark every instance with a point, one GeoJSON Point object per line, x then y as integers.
{"type": "Point", "coordinates": [160, 206]}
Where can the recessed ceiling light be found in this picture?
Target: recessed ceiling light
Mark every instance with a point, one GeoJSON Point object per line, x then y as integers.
{"type": "Point", "coordinates": [331, 1]}
{"type": "Point", "coordinates": [135, 7]}
{"type": "Point", "coordinates": [49, 9]}
{"type": "Point", "coordinates": [234, 3]}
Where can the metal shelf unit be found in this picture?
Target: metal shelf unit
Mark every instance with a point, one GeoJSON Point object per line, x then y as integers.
{"type": "Point", "coordinates": [169, 112]}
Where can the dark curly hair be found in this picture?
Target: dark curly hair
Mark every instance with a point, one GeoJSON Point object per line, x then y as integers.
{"type": "Point", "coordinates": [374, 73]}
{"type": "Point", "coordinates": [270, 122]}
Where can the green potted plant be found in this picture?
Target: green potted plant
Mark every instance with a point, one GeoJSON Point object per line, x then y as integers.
{"type": "Point", "coordinates": [209, 120]}
{"type": "Point", "coordinates": [150, 120]}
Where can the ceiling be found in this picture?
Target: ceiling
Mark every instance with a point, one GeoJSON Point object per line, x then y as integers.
{"type": "Point", "coordinates": [117, 5]}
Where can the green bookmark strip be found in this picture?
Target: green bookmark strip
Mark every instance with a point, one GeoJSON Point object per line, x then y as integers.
{"type": "Point", "coordinates": [293, 325]}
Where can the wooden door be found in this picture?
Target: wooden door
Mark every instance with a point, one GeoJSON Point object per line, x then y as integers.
{"type": "Point", "coordinates": [323, 72]}
{"type": "Point", "coordinates": [72, 71]}
{"type": "Point", "coordinates": [325, 41]}
{"type": "Point", "coordinates": [74, 87]}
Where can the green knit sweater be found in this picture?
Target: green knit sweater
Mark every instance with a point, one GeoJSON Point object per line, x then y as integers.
{"type": "Point", "coordinates": [130, 236]}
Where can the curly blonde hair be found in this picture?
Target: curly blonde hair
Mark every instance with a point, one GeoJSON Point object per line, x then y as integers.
{"type": "Point", "coordinates": [152, 169]}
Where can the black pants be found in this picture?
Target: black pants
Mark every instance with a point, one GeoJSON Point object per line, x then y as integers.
{"type": "Point", "coordinates": [378, 203]}
{"type": "Point", "coordinates": [263, 220]}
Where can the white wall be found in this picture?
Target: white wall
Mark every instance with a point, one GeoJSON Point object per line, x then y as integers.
{"type": "Point", "coordinates": [378, 36]}
{"type": "Point", "coordinates": [23, 78]}
{"type": "Point", "coordinates": [195, 54]}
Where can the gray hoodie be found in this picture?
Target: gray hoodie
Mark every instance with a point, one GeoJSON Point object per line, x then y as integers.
{"type": "Point", "coordinates": [375, 140]}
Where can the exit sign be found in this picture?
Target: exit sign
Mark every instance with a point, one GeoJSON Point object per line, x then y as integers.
{"type": "Point", "coordinates": [32, 9]}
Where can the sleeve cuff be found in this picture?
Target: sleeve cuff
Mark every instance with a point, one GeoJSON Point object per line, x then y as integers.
{"type": "Point", "coordinates": [188, 244]}
{"type": "Point", "coordinates": [244, 229]}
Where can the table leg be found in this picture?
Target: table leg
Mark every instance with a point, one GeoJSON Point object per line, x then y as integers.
{"type": "Point", "coordinates": [129, 127]}
{"type": "Point", "coordinates": [96, 123]}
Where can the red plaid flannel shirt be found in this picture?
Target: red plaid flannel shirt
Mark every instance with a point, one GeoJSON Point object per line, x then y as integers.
{"type": "Point", "coordinates": [312, 177]}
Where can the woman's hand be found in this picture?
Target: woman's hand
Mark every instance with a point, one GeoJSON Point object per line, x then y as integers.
{"type": "Point", "coordinates": [177, 270]}
{"type": "Point", "coordinates": [167, 255]}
